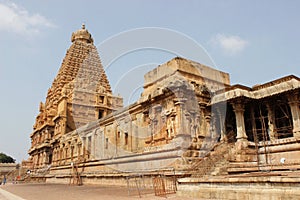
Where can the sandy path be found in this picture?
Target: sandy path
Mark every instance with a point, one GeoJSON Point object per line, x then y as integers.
{"type": "Point", "coordinates": [66, 192]}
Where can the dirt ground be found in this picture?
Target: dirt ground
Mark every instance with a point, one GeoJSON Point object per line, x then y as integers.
{"type": "Point", "coordinates": [66, 192]}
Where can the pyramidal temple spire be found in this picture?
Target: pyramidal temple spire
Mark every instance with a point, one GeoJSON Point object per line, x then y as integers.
{"type": "Point", "coordinates": [81, 82]}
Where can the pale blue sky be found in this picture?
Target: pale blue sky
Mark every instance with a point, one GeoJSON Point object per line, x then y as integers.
{"type": "Point", "coordinates": [254, 41]}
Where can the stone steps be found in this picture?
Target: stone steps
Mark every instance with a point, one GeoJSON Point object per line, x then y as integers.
{"type": "Point", "coordinates": [253, 167]}
{"type": "Point", "coordinates": [215, 163]}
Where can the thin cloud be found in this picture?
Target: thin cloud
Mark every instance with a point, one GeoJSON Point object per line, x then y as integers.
{"type": "Point", "coordinates": [14, 18]}
{"type": "Point", "coordinates": [229, 44]}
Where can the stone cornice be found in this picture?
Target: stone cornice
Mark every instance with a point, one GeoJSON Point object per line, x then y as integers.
{"type": "Point", "coordinates": [275, 87]}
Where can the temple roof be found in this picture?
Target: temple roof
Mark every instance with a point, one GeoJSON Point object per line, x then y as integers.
{"type": "Point", "coordinates": [281, 85]}
{"type": "Point", "coordinates": [81, 64]}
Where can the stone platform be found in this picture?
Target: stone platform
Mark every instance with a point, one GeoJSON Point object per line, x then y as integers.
{"type": "Point", "coordinates": [260, 187]}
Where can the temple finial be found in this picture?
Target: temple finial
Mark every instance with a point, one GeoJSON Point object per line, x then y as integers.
{"type": "Point", "coordinates": [82, 35]}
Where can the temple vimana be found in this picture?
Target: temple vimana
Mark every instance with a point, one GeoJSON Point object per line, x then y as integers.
{"type": "Point", "coordinates": [189, 123]}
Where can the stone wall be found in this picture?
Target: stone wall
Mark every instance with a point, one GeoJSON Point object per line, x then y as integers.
{"type": "Point", "coordinates": [238, 189]}
{"type": "Point", "coordinates": [7, 167]}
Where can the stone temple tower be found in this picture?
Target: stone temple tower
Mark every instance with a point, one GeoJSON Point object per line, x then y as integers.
{"type": "Point", "coordinates": [80, 93]}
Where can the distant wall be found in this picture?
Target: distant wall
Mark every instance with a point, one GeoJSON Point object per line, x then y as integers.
{"type": "Point", "coordinates": [7, 167]}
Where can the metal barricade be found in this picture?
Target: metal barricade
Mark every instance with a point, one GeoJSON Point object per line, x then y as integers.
{"type": "Point", "coordinates": [164, 185]}
{"type": "Point", "coordinates": [159, 184]}
{"type": "Point", "coordinates": [136, 185]}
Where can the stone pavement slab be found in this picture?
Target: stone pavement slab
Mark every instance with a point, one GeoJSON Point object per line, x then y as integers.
{"type": "Point", "coordinates": [66, 192]}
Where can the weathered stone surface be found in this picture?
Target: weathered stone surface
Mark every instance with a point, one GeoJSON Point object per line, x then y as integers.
{"type": "Point", "coordinates": [187, 115]}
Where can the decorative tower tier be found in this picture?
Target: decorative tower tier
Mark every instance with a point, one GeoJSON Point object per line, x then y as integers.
{"type": "Point", "coordinates": [80, 93]}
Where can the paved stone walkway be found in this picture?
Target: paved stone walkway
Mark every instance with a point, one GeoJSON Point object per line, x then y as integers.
{"type": "Point", "coordinates": [66, 192]}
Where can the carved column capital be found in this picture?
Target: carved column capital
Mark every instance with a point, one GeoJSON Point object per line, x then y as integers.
{"type": "Point", "coordinates": [238, 106]}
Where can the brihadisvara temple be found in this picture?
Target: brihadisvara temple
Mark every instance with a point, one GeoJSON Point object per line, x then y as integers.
{"type": "Point", "coordinates": [190, 124]}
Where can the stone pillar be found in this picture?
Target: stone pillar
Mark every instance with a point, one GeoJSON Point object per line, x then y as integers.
{"type": "Point", "coordinates": [35, 160]}
{"type": "Point", "coordinates": [157, 111]}
{"type": "Point", "coordinates": [222, 126]}
{"type": "Point", "coordinates": [213, 130]}
{"type": "Point", "coordinates": [179, 103]}
{"type": "Point", "coordinates": [90, 146]}
{"type": "Point", "coordinates": [60, 151]}
{"type": "Point", "coordinates": [181, 132]}
{"type": "Point", "coordinates": [207, 126]}
{"type": "Point", "coordinates": [197, 124]}
{"type": "Point", "coordinates": [115, 125]}
{"type": "Point", "coordinates": [79, 151]}
{"type": "Point", "coordinates": [72, 152]}
{"type": "Point", "coordinates": [130, 133]}
{"type": "Point", "coordinates": [94, 144]}
{"type": "Point", "coordinates": [65, 153]}
{"type": "Point", "coordinates": [154, 129]}
{"type": "Point", "coordinates": [294, 105]}
{"type": "Point", "coordinates": [75, 149]}
{"type": "Point", "coordinates": [221, 113]}
{"type": "Point", "coordinates": [241, 136]}
{"type": "Point", "coordinates": [45, 158]}
{"type": "Point", "coordinates": [190, 125]}
{"type": "Point", "coordinates": [57, 155]}
{"type": "Point", "coordinates": [134, 133]}
{"type": "Point", "coordinates": [54, 156]}
{"type": "Point", "coordinates": [105, 100]}
{"type": "Point", "coordinates": [84, 148]}
{"type": "Point", "coordinates": [202, 133]}
{"type": "Point", "coordinates": [271, 121]}
{"type": "Point", "coordinates": [40, 159]}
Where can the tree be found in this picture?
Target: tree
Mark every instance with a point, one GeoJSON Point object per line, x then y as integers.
{"type": "Point", "coordinates": [6, 159]}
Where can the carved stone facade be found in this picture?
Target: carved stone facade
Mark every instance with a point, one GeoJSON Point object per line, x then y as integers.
{"type": "Point", "coordinates": [185, 110]}
{"type": "Point", "coordinates": [80, 93]}
{"type": "Point", "coordinates": [171, 112]}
